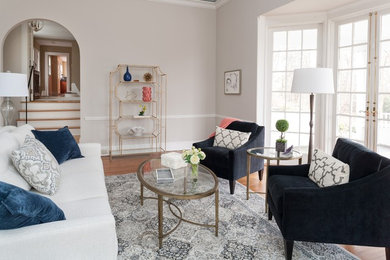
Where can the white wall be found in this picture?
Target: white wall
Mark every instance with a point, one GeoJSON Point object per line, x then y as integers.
{"type": "Point", "coordinates": [15, 51]}
{"type": "Point", "coordinates": [237, 45]}
{"type": "Point", "coordinates": [180, 39]}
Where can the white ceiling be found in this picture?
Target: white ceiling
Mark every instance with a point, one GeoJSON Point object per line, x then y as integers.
{"type": "Point", "coordinates": [52, 30]}
{"type": "Point", "coordinates": [210, 4]}
{"type": "Point", "coordinates": [305, 6]}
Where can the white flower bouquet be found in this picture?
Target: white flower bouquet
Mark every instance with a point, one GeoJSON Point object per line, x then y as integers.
{"type": "Point", "coordinates": [193, 157]}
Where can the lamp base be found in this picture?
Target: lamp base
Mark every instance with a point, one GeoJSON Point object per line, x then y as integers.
{"type": "Point", "coordinates": [7, 110]}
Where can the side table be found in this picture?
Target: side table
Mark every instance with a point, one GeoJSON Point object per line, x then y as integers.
{"type": "Point", "coordinates": [266, 153]}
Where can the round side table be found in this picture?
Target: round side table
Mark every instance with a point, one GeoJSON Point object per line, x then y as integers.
{"type": "Point", "coordinates": [267, 153]}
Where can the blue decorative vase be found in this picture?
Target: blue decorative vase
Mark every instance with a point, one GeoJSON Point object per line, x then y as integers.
{"type": "Point", "coordinates": [127, 75]}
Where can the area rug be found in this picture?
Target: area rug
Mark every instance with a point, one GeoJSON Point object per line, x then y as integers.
{"type": "Point", "coordinates": [244, 230]}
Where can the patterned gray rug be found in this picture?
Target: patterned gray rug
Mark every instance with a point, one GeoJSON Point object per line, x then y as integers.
{"type": "Point", "coordinates": [244, 233]}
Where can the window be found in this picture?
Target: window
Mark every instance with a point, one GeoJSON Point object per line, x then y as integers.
{"type": "Point", "coordinates": [352, 80]}
{"type": "Point", "coordinates": [291, 49]}
{"type": "Point", "coordinates": [383, 141]}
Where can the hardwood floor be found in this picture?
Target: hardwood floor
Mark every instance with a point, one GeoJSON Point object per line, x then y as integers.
{"type": "Point", "coordinates": [129, 164]}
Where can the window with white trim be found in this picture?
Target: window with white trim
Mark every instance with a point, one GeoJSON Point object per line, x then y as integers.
{"type": "Point", "coordinates": [291, 49]}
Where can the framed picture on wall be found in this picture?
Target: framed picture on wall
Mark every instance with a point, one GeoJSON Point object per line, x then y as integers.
{"type": "Point", "coordinates": [232, 82]}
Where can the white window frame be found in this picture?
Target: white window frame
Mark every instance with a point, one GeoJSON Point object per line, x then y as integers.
{"type": "Point", "coordinates": [268, 73]}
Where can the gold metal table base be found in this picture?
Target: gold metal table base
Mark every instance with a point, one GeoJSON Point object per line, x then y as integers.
{"type": "Point", "coordinates": [179, 216]}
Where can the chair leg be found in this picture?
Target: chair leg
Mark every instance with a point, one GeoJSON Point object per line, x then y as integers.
{"type": "Point", "coordinates": [261, 174]}
{"type": "Point", "coordinates": [232, 185]}
{"type": "Point", "coordinates": [387, 253]}
{"type": "Point", "coordinates": [288, 249]}
{"type": "Point", "coordinates": [269, 214]}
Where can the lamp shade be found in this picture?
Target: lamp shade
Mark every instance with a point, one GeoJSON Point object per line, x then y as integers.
{"type": "Point", "coordinates": [13, 85]}
{"type": "Point", "coordinates": [313, 80]}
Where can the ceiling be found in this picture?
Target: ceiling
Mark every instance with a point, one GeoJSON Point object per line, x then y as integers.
{"type": "Point", "coordinates": [52, 30]}
{"type": "Point", "coordinates": [305, 6]}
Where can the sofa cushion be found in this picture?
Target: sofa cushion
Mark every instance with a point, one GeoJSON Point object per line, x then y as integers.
{"type": "Point", "coordinates": [85, 208]}
{"type": "Point", "coordinates": [37, 166]}
{"type": "Point", "coordinates": [60, 143]}
{"type": "Point", "coordinates": [277, 184]}
{"type": "Point", "coordinates": [326, 170]}
{"type": "Point", "coordinates": [20, 208]}
{"type": "Point", "coordinates": [81, 179]}
{"type": "Point", "coordinates": [8, 173]}
{"type": "Point", "coordinates": [360, 159]}
{"type": "Point", "coordinates": [230, 139]}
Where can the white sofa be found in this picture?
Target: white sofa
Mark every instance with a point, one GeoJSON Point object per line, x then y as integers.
{"type": "Point", "coordinates": [89, 229]}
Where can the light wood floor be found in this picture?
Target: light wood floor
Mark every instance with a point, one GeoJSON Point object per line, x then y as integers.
{"type": "Point", "coordinates": [129, 164]}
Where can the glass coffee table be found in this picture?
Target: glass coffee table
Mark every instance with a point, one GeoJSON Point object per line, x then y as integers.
{"type": "Point", "coordinates": [182, 188]}
{"type": "Point", "coordinates": [267, 153]}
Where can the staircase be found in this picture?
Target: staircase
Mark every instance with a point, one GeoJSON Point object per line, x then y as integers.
{"type": "Point", "coordinates": [52, 114]}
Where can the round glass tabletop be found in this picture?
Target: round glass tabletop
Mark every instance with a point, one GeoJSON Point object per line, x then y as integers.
{"type": "Point", "coordinates": [271, 154]}
{"type": "Point", "coordinates": [183, 186]}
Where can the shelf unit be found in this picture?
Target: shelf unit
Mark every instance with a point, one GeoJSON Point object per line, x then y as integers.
{"type": "Point", "coordinates": [125, 101]}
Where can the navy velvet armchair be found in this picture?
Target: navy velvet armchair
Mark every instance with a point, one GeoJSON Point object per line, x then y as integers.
{"type": "Point", "coordinates": [356, 213]}
{"type": "Point", "coordinates": [231, 164]}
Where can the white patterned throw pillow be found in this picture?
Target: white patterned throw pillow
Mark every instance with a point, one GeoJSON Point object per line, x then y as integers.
{"type": "Point", "coordinates": [37, 166]}
{"type": "Point", "coordinates": [229, 138]}
{"type": "Point", "coordinates": [326, 170]}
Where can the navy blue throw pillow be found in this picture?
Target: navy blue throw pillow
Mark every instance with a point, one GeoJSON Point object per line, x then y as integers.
{"type": "Point", "coordinates": [60, 143]}
{"type": "Point", "coordinates": [20, 208]}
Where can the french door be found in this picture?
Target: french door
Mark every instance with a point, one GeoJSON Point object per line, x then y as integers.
{"type": "Point", "coordinates": [362, 106]}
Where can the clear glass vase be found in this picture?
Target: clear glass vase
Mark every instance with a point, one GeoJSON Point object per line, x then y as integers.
{"type": "Point", "coordinates": [194, 172]}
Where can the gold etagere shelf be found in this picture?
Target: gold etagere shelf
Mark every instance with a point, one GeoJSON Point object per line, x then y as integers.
{"type": "Point", "coordinates": [125, 101]}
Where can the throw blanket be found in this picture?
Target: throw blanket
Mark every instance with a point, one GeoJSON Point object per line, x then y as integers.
{"type": "Point", "coordinates": [225, 123]}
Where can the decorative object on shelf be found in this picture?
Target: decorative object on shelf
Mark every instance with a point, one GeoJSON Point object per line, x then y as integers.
{"type": "Point", "coordinates": [131, 95]}
{"type": "Point", "coordinates": [127, 75]}
{"type": "Point", "coordinates": [136, 80]}
{"type": "Point", "coordinates": [281, 143]}
{"type": "Point", "coordinates": [233, 82]}
{"type": "Point", "coordinates": [193, 158]}
{"type": "Point", "coordinates": [146, 94]}
{"type": "Point", "coordinates": [143, 110]}
{"type": "Point", "coordinates": [137, 130]}
{"type": "Point", "coordinates": [148, 77]}
{"type": "Point", "coordinates": [313, 81]}
{"type": "Point", "coordinates": [11, 85]}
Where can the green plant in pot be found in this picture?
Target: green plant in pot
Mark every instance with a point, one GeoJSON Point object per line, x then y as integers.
{"type": "Point", "coordinates": [281, 143]}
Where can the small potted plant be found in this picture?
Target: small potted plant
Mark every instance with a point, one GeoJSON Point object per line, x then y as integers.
{"type": "Point", "coordinates": [281, 143]}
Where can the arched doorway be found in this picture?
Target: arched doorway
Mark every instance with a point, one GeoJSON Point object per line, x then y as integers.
{"type": "Point", "coordinates": [49, 54]}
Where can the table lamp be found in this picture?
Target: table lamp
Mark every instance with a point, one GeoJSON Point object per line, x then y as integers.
{"type": "Point", "coordinates": [11, 85]}
{"type": "Point", "coordinates": [313, 81]}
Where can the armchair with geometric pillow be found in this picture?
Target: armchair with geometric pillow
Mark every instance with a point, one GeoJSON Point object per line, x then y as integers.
{"type": "Point", "coordinates": [352, 213]}
{"type": "Point", "coordinates": [227, 160]}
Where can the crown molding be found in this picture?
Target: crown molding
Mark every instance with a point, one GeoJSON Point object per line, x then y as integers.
{"type": "Point", "coordinates": [194, 3]}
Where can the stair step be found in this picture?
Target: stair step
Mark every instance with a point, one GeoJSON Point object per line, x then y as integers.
{"type": "Point", "coordinates": [52, 101]}
{"type": "Point", "coordinates": [75, 130]}
{"type": "Point", "coordinates": [50, 119]}
{"type": "Point", "coordinates": [51, 123]}
{"type": "Point", "coordinates": [36, 114]}
{"type": "Point", "coordinates": [51, 105]}
{"type": "Point", "coordinates": [77, 138]}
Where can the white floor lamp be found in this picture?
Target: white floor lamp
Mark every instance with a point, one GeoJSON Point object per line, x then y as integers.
{"type": "Point", "coordinates": [11, 85]}
{"type": "Point", "coordinates": [313, 81]}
